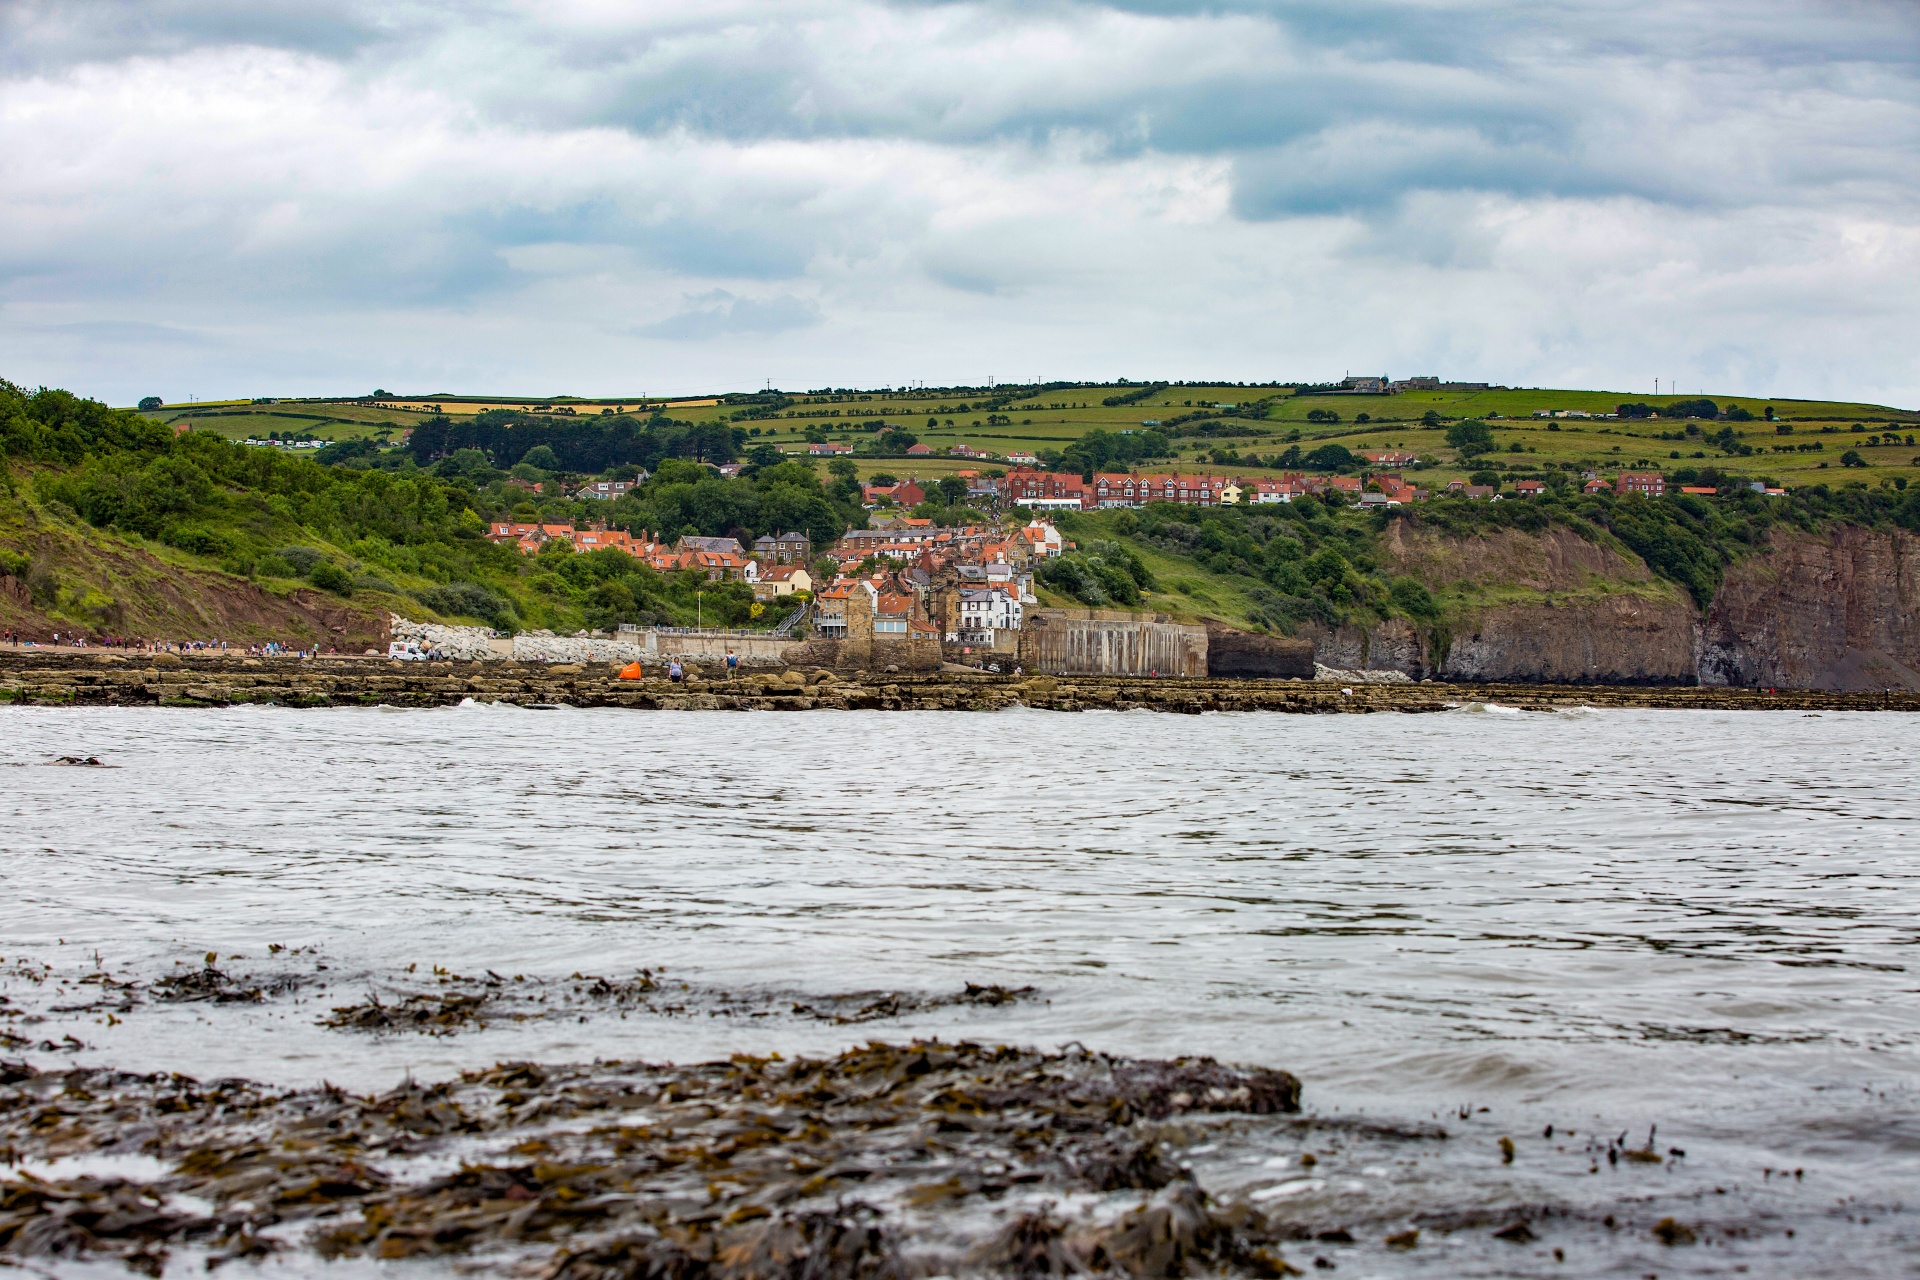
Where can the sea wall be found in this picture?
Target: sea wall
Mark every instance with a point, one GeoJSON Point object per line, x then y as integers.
{"type": "Point", "coordinates": [649, 645]}
{"type": "Point", "coordinates": [1111, 642]}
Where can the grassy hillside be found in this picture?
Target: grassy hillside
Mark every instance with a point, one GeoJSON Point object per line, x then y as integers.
{"type": "Point", "coordinates": [113, 523]}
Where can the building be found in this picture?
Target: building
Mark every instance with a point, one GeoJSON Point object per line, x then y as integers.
{"type": "Point", "coordinates": [1651, 483]}
{"type": "Point", "coordinates": [919, 451]}
{"type": "Point", "coordinates": [904, 494]}
{"type": "Point", "coordinates": [1023, 459]}
{"type": "Point", "coordinates": [782, 580]}
{"type": "Point", "coordinates": [1389, 458]}
{"type": "Point", "coordinates": [967, 451]}
{"type": "Point", "coordinates": [984, 610]}
{"type": "Point", "coordinates": [724, 546]}
{"type": "Point", "coordinates": [788, 548]}
{"type": "Point", "coordinates": [1530, 488]}
{"type": "Point", "coordinates": [1046, 490]}
{"type": "Point", "coordinates": [828, 449]}
{"type": "Point", "coordinates": [607, 490]}
{"type": "Point", "coordinates": [1595, 485]}
{"type": "Point", "coordinates": [1366, 385]}
{"type": "Point", "coordinates": [1417, 384]}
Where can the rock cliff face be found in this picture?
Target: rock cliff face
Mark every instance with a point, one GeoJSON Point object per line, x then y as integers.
{"type": "Point", "coordinates": [1550, 608]}
{"type": "Point", "coordinates": [1835, 611]}
{"type": "Point", "coordinates": [1840, 610]}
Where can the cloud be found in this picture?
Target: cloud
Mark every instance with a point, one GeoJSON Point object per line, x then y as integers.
{"type": "Point", "coordinates": [341, 193]}
{"type": "Point", "coordinates": [717, 313]}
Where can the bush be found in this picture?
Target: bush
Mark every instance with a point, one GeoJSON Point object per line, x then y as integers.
{"type": "Point", "coordinates": [300, 559]}
{"type": "Point", "coordinates": [151, 402]}
{"type": "Point", "coordinates": [331, 577]}
{"type": "Point", "coordinates": [467, 599]}
{"type": "Point", "coordinates": [1852, 458]}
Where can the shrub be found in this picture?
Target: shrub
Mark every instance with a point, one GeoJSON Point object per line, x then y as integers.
{"type": "Point", "coordinates": [331, 577]}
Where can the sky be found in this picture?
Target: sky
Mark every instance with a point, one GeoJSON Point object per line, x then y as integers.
{"type": "Point", "coordinates": [220, 198]}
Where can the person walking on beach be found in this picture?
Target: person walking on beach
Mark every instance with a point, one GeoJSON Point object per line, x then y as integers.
{"type": "Point", "coordinates": [674, 671]}
{"type": "Point", "coordinates": [733, 663]}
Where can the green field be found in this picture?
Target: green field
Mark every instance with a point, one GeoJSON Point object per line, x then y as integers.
{"type": "Point", "coordinates": [1052, 419]}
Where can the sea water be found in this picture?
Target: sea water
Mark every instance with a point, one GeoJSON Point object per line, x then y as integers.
{"type": "Point", "coordinates": [1681, 932]}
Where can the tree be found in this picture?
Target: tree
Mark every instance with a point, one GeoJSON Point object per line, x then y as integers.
{"type": "Point", "coordinates": [543, 457]}
{"type": "Point", "coordinates": [1329, 457]}
{"type": "Point", "coordinates": [1471, 437]}
{"type": "Point", "coordinates": [1431, 418]}
{"type": "Point", "coordinates": [1852, 458]}
{"type": "Point", "coordinates": [1322, 415]}
{"type": "Point", "coordinates": [953, 490]}
{"type": "Point", "coordinates": [1491, 478]}
{"type": "Point", "coordinates": [883, 478]}
{"type": "Point", "coordinates": [151, 402]}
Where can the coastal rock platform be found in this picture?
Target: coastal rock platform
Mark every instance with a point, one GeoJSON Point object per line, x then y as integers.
{"type": "Point", "coordinates": [137, 678]}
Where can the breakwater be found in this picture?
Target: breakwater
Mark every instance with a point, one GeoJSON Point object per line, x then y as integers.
{"type": "Point", "coordinates": [141, 679]}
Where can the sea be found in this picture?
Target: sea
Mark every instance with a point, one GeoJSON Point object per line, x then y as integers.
{"type": "Point", "coordinates": [1694, 935]}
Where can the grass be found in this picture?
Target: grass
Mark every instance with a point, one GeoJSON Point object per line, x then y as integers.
{"type": "Point", "coordinates": [1053, 419]}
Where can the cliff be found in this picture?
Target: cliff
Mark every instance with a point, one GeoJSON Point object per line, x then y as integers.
{"type": "Point", "coordinates": [1837, 610]}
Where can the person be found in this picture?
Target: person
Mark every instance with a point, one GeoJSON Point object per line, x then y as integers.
{"type": "Point", "coordinates": [733, 663]}
{"type": "Point", "coordinates": [674, 672]}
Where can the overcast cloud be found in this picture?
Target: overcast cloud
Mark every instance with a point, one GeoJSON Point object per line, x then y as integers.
{"type": "Point", "coordinates": [248, 197]}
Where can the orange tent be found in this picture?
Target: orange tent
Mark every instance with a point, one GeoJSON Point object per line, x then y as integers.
{"type": "Point", "coordinates": [631, 671]}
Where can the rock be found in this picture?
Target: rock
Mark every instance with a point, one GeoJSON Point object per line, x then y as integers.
{"type": "Point", "coordinates": [565, 669]}
{"type": "Point", "coordinates": [167, 660]}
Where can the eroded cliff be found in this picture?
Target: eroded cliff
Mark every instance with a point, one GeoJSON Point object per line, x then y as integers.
{"type": "Point", "coordinates": [1837, 610]}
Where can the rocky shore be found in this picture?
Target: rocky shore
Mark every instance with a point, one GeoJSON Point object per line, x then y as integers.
{"type": "Point", "coordinates": [145, 679]}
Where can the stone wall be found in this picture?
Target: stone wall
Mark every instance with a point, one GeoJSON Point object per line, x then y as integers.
{"type": "Point", "coordinates": [647, 645]}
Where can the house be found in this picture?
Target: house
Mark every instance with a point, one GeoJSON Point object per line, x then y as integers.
{"type": "Point", "coordinates": [1389, 458]}
{"type": "Point", "coordinates": [1531, 488]}
{"type": "Point", "coordinates": [1366, 385]}
{"type": "Point", "coordinates": [1595, 485]}
{"type": "Point", "coordinates": [967, 451]}
{"type": "Point", "coordinates": [904, 494]}
{"type": "Point", "coordinates": [1023, 459]}
{"type": "Point", "coordinates": [1651, 483]}
{"type": "Point", "coordinates": [782, 580]}
{"type": "Point", "coordinates": [919, 451]}
{"type": "Point", "coordinates": [985, 610]}
{"type": "Point", "coordinates": [607, 490]}
{"type": "Point", "coordinates": [788, 548]}
{"type": "Point", "coordinates": [828, 449]}
{"type": "Point", "coordinates": [602, 539]}
{"type": "Point", "coordinates": [979, 486]}
{"type": "Point", "coordinates": [891, 614]}
{"type": "Point", "coordinates": [845, 606]}
{"type": "Point", "coordinates": [1267, 490]}
{"type": "Point", "coordinates": [1425, 383]}
{"type": "Point", "coordinates": [720, 566]}
{"type": "Point", "coordinates": [1460, 488]}
{"type": "Point", "coordinates": [1708, 491]}
{"type": "Point", "coordinates": [722, 546]}
{"type": "Point", "coordinates": [1230, 494]}
{"type": "Point", "coordinates": [1042, 539]}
